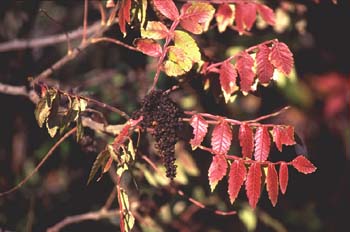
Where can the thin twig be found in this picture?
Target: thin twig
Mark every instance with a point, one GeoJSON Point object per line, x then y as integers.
{"type": "Point", "coordinates": [85, 21]}
{"type": "Point", "coordinates": [181, 193]}
{"type": "Point", "coordinates": [269, 115]}
{"type": "Point", "coordinates": [19, 44]}
{"type": "Point", "coordinates": [96, 215]}
{"type": "Point", "coordinates": [111, 40]}
{"type": "Point", "coordinates": [247, 161]}
{"type": "Point", "coordinates": [69, 46]}
{"type": "Point", "coordinates": [13, 90]}
{"type": "Point", "coordinates": [49, 71]}
{"type": "Point", "coordinates": [87, 122]}
{"type": "Point", "coordinates": [102, 13]}
{"type": "Point", "coordinates": [110, 199]}
{"type": "Point", "coordinates": [164, 52]}
{"type": "Point", "coordinates": [49, 153]}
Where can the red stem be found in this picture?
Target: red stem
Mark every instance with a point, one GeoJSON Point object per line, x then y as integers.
{"type": "Point", "coordinates": [212, 67]}
{"type": "Point", "coordinates": [215, 119]}
{"type": "Point", "coordinates": [247, 161]}
{"type": "Point", "coordinates": [164, 52]}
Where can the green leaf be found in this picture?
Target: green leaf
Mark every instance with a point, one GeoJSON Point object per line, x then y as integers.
{"type": "Point", "coordinates": [43, 107]}
{"type": "Point", "coordinates": [54, 120]}
{"type": "Point", "coordinates": [100, 162]}
{"type": "Point", "coordinates": [131, 149]}
{"type": "Point", "coordinates": [178, 62]}
{"type": "Point", "coordinates": [129, 220]}
{"type": "Point", "coordinates": [184, 41]}
{"type": "Point", "coordinates": [141, 11]}
{"type": "Point", "coordinates": [80, 129]}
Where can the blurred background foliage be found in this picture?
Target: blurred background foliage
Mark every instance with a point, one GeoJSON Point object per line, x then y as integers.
{"type": "Point", "coordinates": [318, 90]}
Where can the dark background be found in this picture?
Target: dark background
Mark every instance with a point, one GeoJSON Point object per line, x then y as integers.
{"type": "Point", "coordinates": [320, 100]}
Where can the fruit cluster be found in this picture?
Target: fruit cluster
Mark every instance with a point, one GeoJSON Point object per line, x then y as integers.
{"type": "Point", "coordinates": [162, 115]}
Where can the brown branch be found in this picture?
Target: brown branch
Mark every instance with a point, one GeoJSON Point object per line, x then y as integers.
{"type": "Point", "coordinates": [269, 115]}
{"type": "Point", "coordinates": [85, 21]}
{"type": "Point", "coordinates": [49, 71]}
{"type": "Point", "coordinates": [49, 153]}
{"type": "Point", "coordinates": [87, 122]}
{"type": "Point", "coordinates": [13, 90]}
{"type": "Point", "coordinates": [181, 193]}
{"type": "Point", "coordinates": [95, 215]}
{"type": "Point", "coordinates": [19, 44]}
{"type": "Point", "coordinates": [111, 40]}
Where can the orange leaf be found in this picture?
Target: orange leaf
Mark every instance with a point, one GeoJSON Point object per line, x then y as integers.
{"type": "Point", "coordinates": [236, 179]}
{"type": "Point", "coordinates": [244, 67]}
{"type": "Point", "coordinates": [245, 16]}
{"type": "Point", "coordinates": [221, 138]}
{"type": "Point", "coordinates": [224, 16]}
{"type": "Point", "coordinates": [200, 128]}
{"type": "Point", "coordinates": [217, 170]}
{"type": "Point", "coordinates": [283, 177]}
{"type": "Point", "coordinates": [267, 14]}
{"type": "Point", "coordinates": [253, 184]}
{"type": "Point", "coordinates": [262, 144]}
{"type": "Point", "coordinates": [272, 184]}
{"type": "Point", "coordinates": [282, 58]}
{"type": "Point", "coordinates": [246, 140]}
{"type": "Point", "coordinates": [196, 16]}
{"type": "Point", "coordinates": [167, 8]}
{"type": "Point", "coordinates": [148, 47]}
{"type": "Point", "coordinates": [228, 75]}
{"type": "Point", "coordinates": [263, 65]}
{"type": "Point", "coordinates": [303, 165]}
{"type": "Point", "coordinates": [283, 135]}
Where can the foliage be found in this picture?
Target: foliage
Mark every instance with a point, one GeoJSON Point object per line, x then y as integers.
{"type": "Point", "coordinates": [240, 149]}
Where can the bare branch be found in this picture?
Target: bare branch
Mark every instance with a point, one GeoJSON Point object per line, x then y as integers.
{"type": "Point", "coordinates": [19, 44]}
{"type": "Point", "coordinates": [13, 90]}
{"type": "Point", "coordinates": [49, 153]}
{"type": "Point", "coordinates": [107, 39]}
{"type": "Point", "coordinates": [46, 73]}
{"type": "Point", "coordinates": [96, 215]}
{"type": "Point", "coordinates": [85, 21]}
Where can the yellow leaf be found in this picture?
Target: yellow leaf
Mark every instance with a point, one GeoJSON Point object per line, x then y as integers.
{"type": "Point", "coordinates": [188, 44]}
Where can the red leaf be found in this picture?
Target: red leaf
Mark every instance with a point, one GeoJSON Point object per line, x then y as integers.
{"type": "Point", "coordinates": [253, 184]}
{"type": "Point", "coordinates": [224, 16]}
{"type": "Point", "coordinates": [283, 177]}
{"type": "Point", "coordinates": [245, 16]}
{"type": "Point", "coordinates": [282, 58]}
{"type": "Point", "coordinates": [228, 75]}
{"type": "Point", "coordinates": [303, 165]}
{"type": "Point", "coordinates": [155, 30]}
{"type": "Point", "coordinates": [167, 8]}
{"type": "Point", "coordinates": [124, 15]}
{"type": "Point", "coordinates": [283, 135]}
{"type": "Point", "coordinates": [272, 184]}
{"type": "Point", "coordinates": [244, 66]}
{"type": "Point", "coordinates": [108, 165]}
{"type": "Point", "coordinates": [221, 138]}
{"type": "Point", "coordinates": [196, 16]}
{"type": "Point", "coordinates": [236, 179]}
{"type": "Point", "coordinates": [200, 128]}
{"type": "Point", "coordinates": [267, 14]}
{"type": "Point", "coordinates": [262, 144]}
{"type": "Point", "coordinates": [264, 67]}
{"type": "Point", "coordinates": [149, 47]}
{"type": "Point", "coordinates": [217, 170]}
{"type": "Point", "coordinates": [246, 140]}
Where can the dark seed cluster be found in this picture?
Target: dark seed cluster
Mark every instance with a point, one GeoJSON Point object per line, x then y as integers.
{"type": "Point", "coordinates": [162, 115]}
